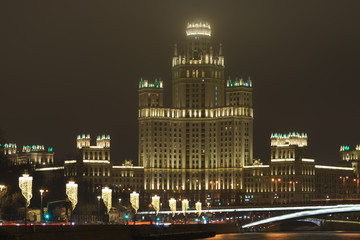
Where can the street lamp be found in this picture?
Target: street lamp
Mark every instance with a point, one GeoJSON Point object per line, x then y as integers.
{"type": "Point", "coordinates": [25, 184]}
{"type": "Point", "coordinates": [98, 198]}
{"type": "Point", "coordinates": [41, 205]}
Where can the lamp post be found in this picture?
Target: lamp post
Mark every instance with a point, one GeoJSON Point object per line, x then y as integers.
{"type": "Point", "coordinates": [3, 190]}
{"type": "Point", "coordinates": [25, 184]}
{"type": "Point", "coordinates": [208, 207]}
{"type": "Point", "coordinates": [134, 200]}
{"type": "Point", "coordinates": [98, 198]}
{"type": "Point", "coordinates": [41, 204]}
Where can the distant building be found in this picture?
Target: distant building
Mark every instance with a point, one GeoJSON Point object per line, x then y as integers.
{"type": "Point", "coordinates": [351, 157]}
{"type": "Point", "coordinates": [35, 155]}
{"type": "Point", "coordinates": [93, 169]}
{"type": "Point", "coordinates": [292, 178]}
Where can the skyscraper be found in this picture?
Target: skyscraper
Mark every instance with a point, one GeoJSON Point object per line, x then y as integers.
{"type": "Point", "coordinates": [197, 147]}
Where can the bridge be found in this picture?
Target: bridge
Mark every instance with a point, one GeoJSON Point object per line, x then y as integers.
{"type": "Point", "coordinates": [257, 209]}
{"type": "Point", "coordinates": [308, 213]}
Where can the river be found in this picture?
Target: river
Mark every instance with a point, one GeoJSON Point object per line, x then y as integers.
{"type": "Point", "coordinates": [289, 236]}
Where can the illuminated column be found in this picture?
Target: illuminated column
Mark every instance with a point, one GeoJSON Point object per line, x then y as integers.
{"type": "Point", "coordinates": [134, 200]}
{"type": "Point", "coordinates": [25, 184]}
{"type": "Point", "coordinates": [106, 196]}
{"type": "Point", "coordinates": [198, 208]}
{"type": "Point", "coordinates": [3, 190]}
{"type": "Point", "coordinates": [72, 193]}
{"type": "Point", "coordinates": [156, 204]}
{"type": "Point", "coordinates": [172, 205]}
{"type": "Point", "coordinates": [185, 205]}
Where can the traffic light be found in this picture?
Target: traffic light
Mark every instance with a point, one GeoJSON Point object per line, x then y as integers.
{"type": "Point", "coordinates": [126, 216]}
{"type": "Point", "coordinates": [47, 216]}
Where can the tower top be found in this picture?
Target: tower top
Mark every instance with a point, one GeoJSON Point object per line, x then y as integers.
{"type": "Point", "coordinates": [239, 82]}
{"type": "Point", "coordinates": [157, 83]}
{"type": "Point", "coordinates": [293, 138]}
{"type": "Point", "coordinates": [198, 27]}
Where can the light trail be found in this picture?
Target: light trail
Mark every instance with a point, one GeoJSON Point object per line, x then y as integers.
{"type": "Point", "coordinates": [335, 209]}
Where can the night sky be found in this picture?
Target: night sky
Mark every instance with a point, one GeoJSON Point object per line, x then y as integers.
{"type": "Point", "coordinates": [71, 67]}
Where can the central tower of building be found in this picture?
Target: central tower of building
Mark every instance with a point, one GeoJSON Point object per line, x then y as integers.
{"type": "Point", "coordinates": [197, 148]}
{"type": "Point", "coordinates": [198, 73]}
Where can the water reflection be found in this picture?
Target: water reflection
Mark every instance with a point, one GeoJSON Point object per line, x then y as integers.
{"type": "Point", "coordinates": [289, 236]}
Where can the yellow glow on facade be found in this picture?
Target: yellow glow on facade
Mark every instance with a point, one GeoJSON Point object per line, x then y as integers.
{"type": "Point", "coordinates": [72, 193]}
{"type": "Point", "coordinates": [198, 208]}
{"type": "Point", "coordinates": [156, 203]}
{"type": "Point", "coordinates": [185, 205]}
{"type": "Point", "coordinates": [106, 194]}
{"type": "Point", "coordinates": [172, 205]}
{"type": "Point", "coordinates": [25, 184]}
{"type": "Point", "coordinates": [134, 200]}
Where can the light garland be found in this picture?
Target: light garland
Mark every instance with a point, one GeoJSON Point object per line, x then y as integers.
{"type": "Point", "coordinates": [185, 205]}
{"type": "Point", "coordinates": [134, 200]}
{"type": "Point", "coordinates": [156, 203]}
{"type": "Point", "coordinates": [72, 193]}
{"type": "Point", "coordinates": [172, 205]}
{"type": "Point", "coordinates": [198, 208]}
{"type": "Point", "coordinates": [25, 184]}
{"type": "Point", "coordinates": [106, 196]}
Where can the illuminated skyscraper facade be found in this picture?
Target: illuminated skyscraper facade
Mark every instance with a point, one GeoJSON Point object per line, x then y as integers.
{"type": "Point", "coordinates": [197, 147]}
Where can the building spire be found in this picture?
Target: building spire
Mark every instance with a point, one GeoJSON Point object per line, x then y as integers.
{"type": "Point", "coordinates": [220, 50]}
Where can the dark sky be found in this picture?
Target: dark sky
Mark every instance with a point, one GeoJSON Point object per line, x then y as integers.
{"type": "Point", "coordinates": [70, 67]}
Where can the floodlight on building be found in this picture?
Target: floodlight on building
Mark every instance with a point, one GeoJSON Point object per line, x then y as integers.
{"type": "Point", "coordinates": [172, 204]}
{"type": "Point", "coordinates": [134, 200]}
{"type": "Point", "coordinates": [106, 194]}
{"type": "Point", "coordinates": [185, 205]}
{"type": "Point", "coordinates": [72, 193]}
{"type": "Point", "coordinates": [156, 204]}
{"type": "Point", "coordinates": [198, 208]}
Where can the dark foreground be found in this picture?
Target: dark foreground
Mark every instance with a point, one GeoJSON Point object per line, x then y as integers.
{"type": "Point", "coordinates": [185, 232]}
{"type": "Point", "coordinates": [289, 236]}
{"type": "Point", "coordinates": [122, 232]}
